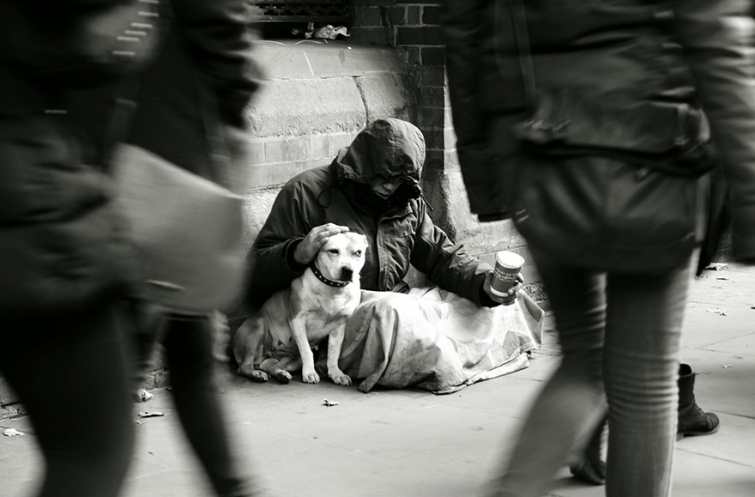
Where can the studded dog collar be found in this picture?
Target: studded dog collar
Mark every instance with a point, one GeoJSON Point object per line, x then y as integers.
{"type": "Point", "coordinates": [329, 282]}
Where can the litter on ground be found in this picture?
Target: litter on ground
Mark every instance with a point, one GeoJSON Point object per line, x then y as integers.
{"type": "Point", "coordinates": [150, 414]}
{"type": "Point", "coordinates": [717, 266]}
{"type": "Point", "coordinates": [720, 312]}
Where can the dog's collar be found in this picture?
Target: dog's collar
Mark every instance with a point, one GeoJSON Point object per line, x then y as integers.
{"type": "Point", "coordinates": [321, 277]}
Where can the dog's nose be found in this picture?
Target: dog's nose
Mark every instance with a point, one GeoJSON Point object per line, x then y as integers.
{"type": "Point", "coordinates": [346, 273]}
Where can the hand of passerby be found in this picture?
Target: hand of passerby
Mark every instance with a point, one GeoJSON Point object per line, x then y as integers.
{"type": "Point", "coordinates": [307, 249]}
{"type": "Point", "coordinates": [510, 296]}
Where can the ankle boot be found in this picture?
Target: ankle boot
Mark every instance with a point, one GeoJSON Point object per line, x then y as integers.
{"type": "Point", "coordinates": [692, 420]}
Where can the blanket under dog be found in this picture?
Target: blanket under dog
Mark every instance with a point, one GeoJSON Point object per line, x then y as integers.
{"type": "Point", "coordinates": [436, 340]}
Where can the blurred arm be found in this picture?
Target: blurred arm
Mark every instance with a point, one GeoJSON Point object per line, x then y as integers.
{"type": "Point", "coordinates": [220, 37]}
{"type": "Point", "coordinates": [717, 36]}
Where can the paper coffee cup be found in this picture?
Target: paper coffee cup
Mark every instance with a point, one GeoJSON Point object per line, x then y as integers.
{"type": "Point", "coordinates": [507, 267]}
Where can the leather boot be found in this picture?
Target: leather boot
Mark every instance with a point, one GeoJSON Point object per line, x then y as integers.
{"type": "Point", "coordinates": [692, 420]}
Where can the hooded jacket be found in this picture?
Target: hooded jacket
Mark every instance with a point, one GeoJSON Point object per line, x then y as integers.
{"type": "Point", "coordinates": [620, 54]}
{"type": "Point", "coordinates": [400, 235]}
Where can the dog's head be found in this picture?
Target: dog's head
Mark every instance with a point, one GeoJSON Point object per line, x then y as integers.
{"type": "Point", "coordinates": [342, 256]}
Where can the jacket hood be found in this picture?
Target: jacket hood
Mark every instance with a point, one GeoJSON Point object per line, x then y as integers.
{"type": "Point", "coordinates": [386, 147]}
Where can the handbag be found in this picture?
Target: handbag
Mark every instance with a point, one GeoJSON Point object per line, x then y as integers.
{"type": "Point", "coordinates": [605, 183]}
{"type": "Point", "coordinates": [186, 231]}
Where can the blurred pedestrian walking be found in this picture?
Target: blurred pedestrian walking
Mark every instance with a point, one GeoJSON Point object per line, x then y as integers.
{"type": "Point", "coordinates": [581, 121]}
{"type": "Point", "coordinates": [190, 111]}
{"type": "Point", "coordinates": [63, 260]}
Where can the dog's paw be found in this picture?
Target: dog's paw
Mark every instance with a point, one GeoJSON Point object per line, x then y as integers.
{"type": "Point", "coordinates": [310, 377]}
{"type": "Point", "coordinates": [282, 377]}
{"type": "Point", "coordinates": [340, 378]}
{"type": "Point", "coordinates": [258, 376]}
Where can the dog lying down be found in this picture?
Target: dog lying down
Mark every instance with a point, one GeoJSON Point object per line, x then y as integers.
{"type": "Point", "coordinates": [278, 339]}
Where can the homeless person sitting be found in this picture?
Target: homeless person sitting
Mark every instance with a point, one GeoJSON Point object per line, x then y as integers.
{"type": "Point", "coordinates": [439, 338]}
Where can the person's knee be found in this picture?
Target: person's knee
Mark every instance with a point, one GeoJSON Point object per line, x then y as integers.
{"type": "Point", "coordinates": [393, 303]}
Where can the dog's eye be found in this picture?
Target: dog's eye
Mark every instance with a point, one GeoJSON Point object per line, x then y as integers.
{"type": "Point", "coordinates": [333, 251]}
{"type": "Point", "coordinates": [358, 253]}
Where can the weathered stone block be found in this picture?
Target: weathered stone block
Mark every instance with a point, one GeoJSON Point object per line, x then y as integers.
{"type": "Point", "coordinates": [256, 209]}
{"type": "Point", "coordinates": [338, 141]}
{"type": "Point", "coordinates": [319, 147]}
{"type": "Point", "coordinates": [304, 106]}
{"type": "Point", "coordinates": [388, 95]}
{"type": "Point", "coordinates": [266, 175]}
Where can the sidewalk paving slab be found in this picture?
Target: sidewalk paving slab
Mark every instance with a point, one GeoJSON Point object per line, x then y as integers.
{"type": "Point", "coordinates": [415, 444]}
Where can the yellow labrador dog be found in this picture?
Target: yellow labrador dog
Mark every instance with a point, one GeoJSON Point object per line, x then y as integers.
{"type": "Point", "coordinates": [278, 339]}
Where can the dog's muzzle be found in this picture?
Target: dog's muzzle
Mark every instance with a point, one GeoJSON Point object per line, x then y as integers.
{"type": "Point", "coordinates": [347, 273]}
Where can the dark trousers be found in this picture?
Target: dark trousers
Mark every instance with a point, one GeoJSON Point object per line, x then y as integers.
{"type": "Point", "coordinates": [71, 374]}
{"type": "Point", "coordinates": [187, 345]}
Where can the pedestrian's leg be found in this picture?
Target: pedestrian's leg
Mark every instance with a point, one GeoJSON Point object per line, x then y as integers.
{"type": "Point", "coordinates": [644, 321]}
{"type": "Point", "coordinates": [71, 375]}
{"type": "Point", "coordinates": [142, 323]}
{"type": "Point", "coordinates": [572, 402]}
{"type": "Point", "coordinates": [188, 348]}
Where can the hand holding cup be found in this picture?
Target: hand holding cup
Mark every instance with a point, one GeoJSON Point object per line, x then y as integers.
{"type": "Point", "coordinates": [503, 284]}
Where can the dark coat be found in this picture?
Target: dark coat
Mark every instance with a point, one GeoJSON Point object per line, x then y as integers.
{"type": "Point", "coordinates": [61, 240]}
{"type": "Point", "coordinates": [402, 235]}
{"type": "Point", "coordinates": [620, 54]}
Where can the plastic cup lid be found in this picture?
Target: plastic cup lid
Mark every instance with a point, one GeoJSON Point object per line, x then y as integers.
{"type": "Point", "coordinates": [509, 259]}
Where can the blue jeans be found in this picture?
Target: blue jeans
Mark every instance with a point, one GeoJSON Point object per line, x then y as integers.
{"type": "Point", "coordinates": [620, 338]}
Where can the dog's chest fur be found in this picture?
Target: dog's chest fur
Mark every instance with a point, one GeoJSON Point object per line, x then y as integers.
{"type": "Point", "coordinates": [324, 308]}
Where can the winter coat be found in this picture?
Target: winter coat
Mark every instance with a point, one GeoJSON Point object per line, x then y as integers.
{"type": "Point", "coordinates": [402, 235]}
{"type": "Point", "coordinates": [620, 55]}
{"type": "Point", "coordinates": [61, 240]}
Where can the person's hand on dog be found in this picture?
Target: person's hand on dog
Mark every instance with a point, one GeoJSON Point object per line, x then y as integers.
{"type": "Point", "coordinates": [512, 292]}
{"type": "Point", "coordinates": [306, 251]}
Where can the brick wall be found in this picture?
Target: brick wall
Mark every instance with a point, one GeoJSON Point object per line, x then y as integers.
{"type": "Point", "coordinates": [413, 29]}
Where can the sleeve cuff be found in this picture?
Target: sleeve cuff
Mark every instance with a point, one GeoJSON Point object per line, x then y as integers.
{"type": "Point", "coordinates": [294, 266]}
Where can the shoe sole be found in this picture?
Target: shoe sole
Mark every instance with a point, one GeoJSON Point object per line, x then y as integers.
{"type": "Point", "coordinates": [698, 433]}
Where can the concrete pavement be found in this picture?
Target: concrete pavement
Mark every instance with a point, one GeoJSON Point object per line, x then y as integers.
{"type": "Point", "coordinates": [414, 444]}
